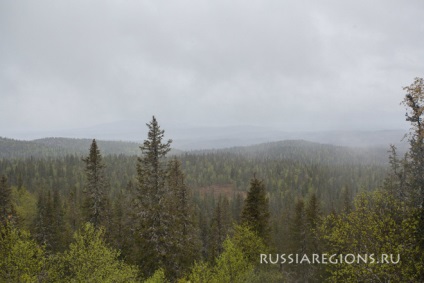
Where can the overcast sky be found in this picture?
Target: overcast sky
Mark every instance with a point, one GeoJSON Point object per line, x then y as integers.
{"type": "Point", "coordinates": [307, 65]}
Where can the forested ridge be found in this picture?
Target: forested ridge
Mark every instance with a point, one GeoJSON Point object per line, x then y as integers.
{"type": "Point", "coordinates": [91, 211]}
{"type": "Point", "coordinates": [60, 147]}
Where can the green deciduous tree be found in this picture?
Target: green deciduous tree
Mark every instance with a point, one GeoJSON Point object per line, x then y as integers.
{"type": "Point", "coordinates": [379, 224]}
{"type": "Point", "coordinates": [89, 259]}
{"type": "Point", "coordinates": [21, 259]}
{"type": "Point", "coordinates": [25, 205]}
{"type": "Point", "coordinates": [239, 261]}
{"type": "Point", "coordinates": [157, 277]}
{"type": "Point", "coordinates": [232, 265]}
{"type": "Point", "coordinates": [414, 100]}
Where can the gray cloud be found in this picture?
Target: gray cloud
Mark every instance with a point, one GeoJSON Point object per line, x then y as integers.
{"type": "Point", "coordinates": [289, 64]}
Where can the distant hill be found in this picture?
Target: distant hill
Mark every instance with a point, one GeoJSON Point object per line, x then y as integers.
{"type": "Point", "coordinates": [186, 137]}
{"type": "Point", "coordinates": [312, 152]}
{"type": "Point", "coordinates": [53, 147]}
{"type": "Point", "coordinates": [288, 149]}
{"type": "Point", "coordinates": [81, 146]}
{"type": "Point", "coordinates": [216, 138]}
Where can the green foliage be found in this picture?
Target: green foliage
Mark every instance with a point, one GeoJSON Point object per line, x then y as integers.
{"type": "Point", "coordinates": [414, 100]}
{"type": "Point", "coordinates": [157, 277]}
{"type": "Point", "coordinates": [380, 224]}
{"type": "Point", "coordinates": [232, 265]}
{"type": "Point", "coordinates": [201, 272]}
{"type": "Point", "coordinates": [25, 205]}
{"type": "Point", "coordinates": [89, 259]}
{"type": "Point", "coordinates": [21, 259]}
{"type": "Point", "coordinates": [250, 243]}
{"type": "Point", "coordinates": [237, 263]}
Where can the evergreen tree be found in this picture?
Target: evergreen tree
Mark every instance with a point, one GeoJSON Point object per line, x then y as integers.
{"type": "Point", "coordinates": [346, 201]}
{"type": "Point", "coordinates": [298, 228]}
{"type": "Point", "coordinates": [312, 242]}
{"type": "Point", "coordinates": [298, 240]}
{"type": "Point", "coordinates": [6, 206]}
{"type": "Point", "coordinates": [154, 218]}
{"type": "Point", "coordinates": [96, 202]}
{"type": "Point", "coordinates": [396, 181]}
{"type": "Point", "coordinates": [61, 233]}
{"type": "Point", "coordinates": [219, 229]}
{"type": "Point", "coordinates": [255, 212]}
{"type": "Point", "coordinates": [43, 220]}
{"type": "Point", "coordinates": [313, 219]}
{"type": "Point", "coordinates": [185, 234]}
{"type": "Point", "coordinates": [122, 223]}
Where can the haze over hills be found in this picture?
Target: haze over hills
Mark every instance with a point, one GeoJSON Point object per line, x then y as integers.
{"type": "Point", "coordinates": [280, 150]}
{"type": "Point", "coordinates": [194, 138]}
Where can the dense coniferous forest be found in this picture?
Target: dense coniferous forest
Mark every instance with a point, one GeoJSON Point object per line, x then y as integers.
{"type": "Point", "coordinates": [102, 211]}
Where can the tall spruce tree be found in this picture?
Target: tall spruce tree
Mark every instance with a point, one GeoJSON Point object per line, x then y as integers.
{"type": "Point", "coordinates": [219, 229]}
{"type": "Point", "coordinates": [313, 220]}
{"type": "Point", "coordinates": [153, 216]}
{"type": "Point", "coordinates": [185, 233]}
{"type": "Point", "coordinates": [95, 202]}
{"type": "Point", "coordinates": [255, 213]}
{"type": "Point", "coordinates": [6, 206]}
{"type": "Point", "coordinates": [298, 228]}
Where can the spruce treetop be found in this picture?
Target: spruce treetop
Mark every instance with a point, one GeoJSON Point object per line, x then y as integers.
{"type": "Point", "coordinates": [153, 146]}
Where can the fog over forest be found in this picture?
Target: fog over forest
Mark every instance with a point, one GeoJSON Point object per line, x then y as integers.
{"type": "Point", "coordinates": [211, 141]}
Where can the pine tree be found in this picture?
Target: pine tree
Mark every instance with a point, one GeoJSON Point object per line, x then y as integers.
{"type": "Point", "coordinates": [255, 212]}
{"type": "Point", "coordinates": [96, 202]}
{"type": "Point", "coordinates": [154, 219]}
